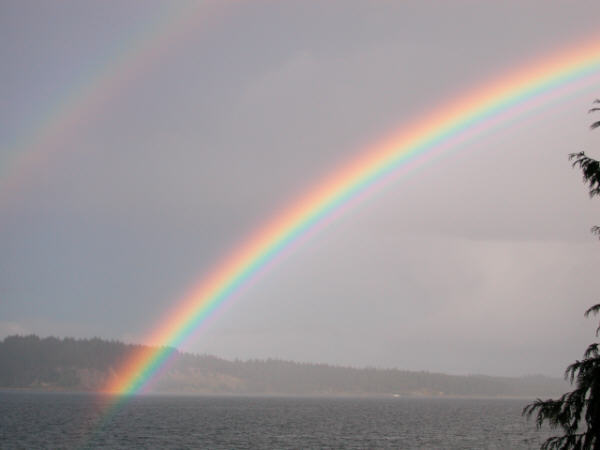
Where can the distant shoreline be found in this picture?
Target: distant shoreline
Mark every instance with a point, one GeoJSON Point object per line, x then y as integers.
{"type": "Point", "coordinates": [33, 364]}
{"type": "Point", "coordinates": [42, 391]}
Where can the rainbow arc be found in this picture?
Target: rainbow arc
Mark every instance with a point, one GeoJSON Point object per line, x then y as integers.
{"type": "Point", "coordinates": [472, 113]}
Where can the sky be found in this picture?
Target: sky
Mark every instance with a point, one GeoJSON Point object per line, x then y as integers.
{"type": "Point", "coordinates": [140, 143]}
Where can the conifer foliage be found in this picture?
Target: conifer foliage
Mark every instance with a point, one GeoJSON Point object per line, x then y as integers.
{"type": "Point", "coordinates": [577, 412]}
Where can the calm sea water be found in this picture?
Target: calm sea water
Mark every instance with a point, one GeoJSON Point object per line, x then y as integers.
{"type": "Point", "coordinates": [58, 420]}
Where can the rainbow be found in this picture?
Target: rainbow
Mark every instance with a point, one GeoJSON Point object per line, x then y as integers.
{"type": "Point", "coordinates": [25, 158]}
{"type": "Point", "coordinates": [481, 109]}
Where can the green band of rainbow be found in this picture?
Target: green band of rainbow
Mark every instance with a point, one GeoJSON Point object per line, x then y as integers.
{"type": "Point", "coordinates": [450, 124]}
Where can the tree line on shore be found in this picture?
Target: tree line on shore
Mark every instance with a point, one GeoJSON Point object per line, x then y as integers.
{"type": "Point", "coordinates": [85, 365]}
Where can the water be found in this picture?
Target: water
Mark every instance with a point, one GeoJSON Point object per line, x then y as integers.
{"type": "Point", "coordinates": [59, 420]}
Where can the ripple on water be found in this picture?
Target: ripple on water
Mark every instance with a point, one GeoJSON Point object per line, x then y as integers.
{"type": "Point", "coordinates": [59, 420]}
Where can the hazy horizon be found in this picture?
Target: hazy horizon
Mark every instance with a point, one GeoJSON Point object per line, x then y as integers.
{"type": "Point", "coordinates": [141, 145]}
{"type": "Point", "coordinates": [267, 358]}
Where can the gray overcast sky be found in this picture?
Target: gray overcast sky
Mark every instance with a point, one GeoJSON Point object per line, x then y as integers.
{"type": "Point", "coordinates": [479, 262]}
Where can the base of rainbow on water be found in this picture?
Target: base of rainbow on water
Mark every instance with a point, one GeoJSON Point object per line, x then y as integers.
{"type": "Point", "coordinates": [502, 100]}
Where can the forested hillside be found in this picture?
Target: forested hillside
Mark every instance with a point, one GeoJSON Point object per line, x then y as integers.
{"type": "Point", "coordinates": [86, 364]}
